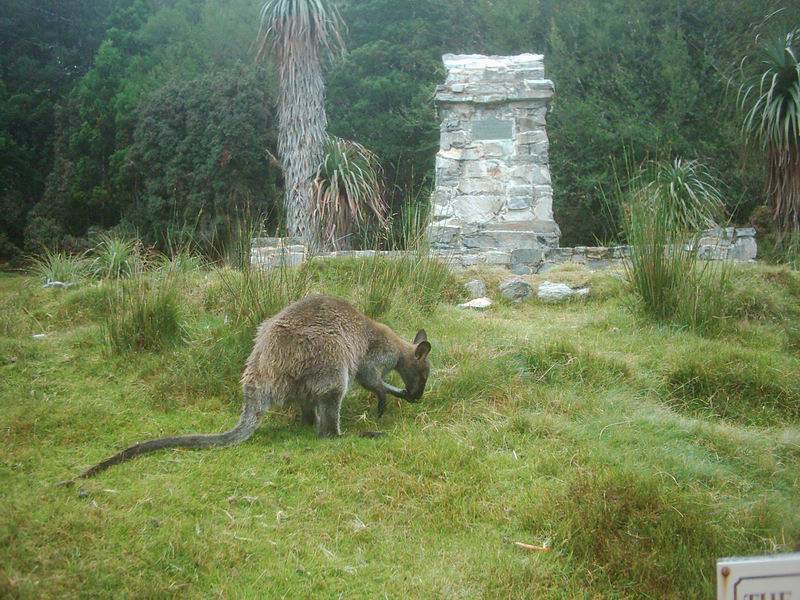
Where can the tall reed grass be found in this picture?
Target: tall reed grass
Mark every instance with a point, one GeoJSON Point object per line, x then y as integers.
{"type": "Point", "coordinates": [59, 266]}
{"type": "Point", "coordinates": [416, 278]}
{"type": "Point", "coordinates": [114, 256]}
{"type": "Point", "coordinates": [145, 311]}
{"type": "Point", "coordinates": [663, 206]}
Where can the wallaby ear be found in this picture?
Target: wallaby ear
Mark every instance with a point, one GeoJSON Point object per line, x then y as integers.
{"type": "Point", "coordinates": [422, 349]}
{"type": "Point", "coordinates": [420, 337]}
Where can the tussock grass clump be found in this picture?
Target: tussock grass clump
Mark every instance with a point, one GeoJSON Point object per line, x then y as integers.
{"type": "Point", "coordinates": [763, 293]}
{"type": "Point", "coordinates": [635, 530]}
{"type": "Point", "coordinates": [88, 303]}
{"type": "Point", "coordinates": [253, 294]}
{"type": "Point", "coordinates": [743, 386]}
{"type": "Point", "coordinates": [208, 367]}
{"type": "Point", "coordinates": [562, 361]}
{"type": "Point", "coordinates": [59, 266]}
{"type": "Point", "coordinates": [415, 280]}
{"type": "Point", "coordinates": [145, 313]}
{"type": "Point", "coordinates": [662, 209]}
{"type": "Point", "coordinates": [182, 260]}
{"type": "Point", "coordinates": [114, 257]}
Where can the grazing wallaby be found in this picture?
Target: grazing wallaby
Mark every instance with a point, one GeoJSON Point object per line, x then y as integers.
{"type": "Point", "coordinates": [307, 355]}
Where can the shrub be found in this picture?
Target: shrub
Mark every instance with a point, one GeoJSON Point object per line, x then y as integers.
{"type": "Point", "coordinates": [348, 193]}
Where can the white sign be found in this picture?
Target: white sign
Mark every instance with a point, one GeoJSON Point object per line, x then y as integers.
{"type": "Point", "coordinates": [759, 577]}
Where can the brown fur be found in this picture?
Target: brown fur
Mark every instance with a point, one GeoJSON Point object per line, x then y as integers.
{"type": "Point", "coordinates": [308, 355]}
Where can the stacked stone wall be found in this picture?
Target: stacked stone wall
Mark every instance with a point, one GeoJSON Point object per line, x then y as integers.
{"type": "Point", "coordinates": [735, 244]}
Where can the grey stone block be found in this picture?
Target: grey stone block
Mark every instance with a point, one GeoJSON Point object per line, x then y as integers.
{"type": "Point", "coordinates": [521, 269]}
{"type": "Point", "coordinates": [527, 256]}
{"type": "Point", "coordinates": [476, 288]}
{"type": "Point", "coordinates": [496, 257]}
{"type": "Point", "coordinates": [516, 289]}
{"type": "Point", "coordinates": [519, 202]}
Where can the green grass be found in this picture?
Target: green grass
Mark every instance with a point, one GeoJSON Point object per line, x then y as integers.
{"type": "Point", "coordinates": [59, 266]}
{"type": "Point", "coordinates": [114, 257]}
{"type": "Point", "coordinates": [576, 426]}
{"type": "Point", "coordinates": [144, 313]}
{"type": "Point", "coordinates": [663, 205]}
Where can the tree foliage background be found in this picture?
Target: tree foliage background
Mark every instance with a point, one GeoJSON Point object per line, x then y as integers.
{"type": "Point", "coordinates": [151, 114]}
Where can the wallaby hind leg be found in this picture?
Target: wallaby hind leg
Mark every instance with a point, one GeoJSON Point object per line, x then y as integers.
{"type": "Point", "coordinates": [328, 407]}
{"type": "Point", "coordinates": [308, 416]}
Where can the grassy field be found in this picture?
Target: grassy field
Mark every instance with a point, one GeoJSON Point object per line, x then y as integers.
{"type": "Point", "coordinates": [636, 453]}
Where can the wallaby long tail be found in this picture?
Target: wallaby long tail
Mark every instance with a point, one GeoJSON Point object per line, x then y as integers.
{"type": "Point", "coordinates": [248, 421]}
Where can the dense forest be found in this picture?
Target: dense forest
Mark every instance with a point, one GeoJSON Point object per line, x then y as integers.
{"type": "Point", "coordinates": [152, 115]}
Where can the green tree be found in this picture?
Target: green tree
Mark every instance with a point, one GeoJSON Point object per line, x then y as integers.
{"type": "Point", "coordinates": [381, 94]}
{"type": "Point", "coordinates": [198, 160]}
{"type": "Point", "coordinates": [298, 34]}
{"type": "Point", "coordinates": [44, 49]}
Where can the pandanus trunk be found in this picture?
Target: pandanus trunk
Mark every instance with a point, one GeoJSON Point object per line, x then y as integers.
{"type": "Point", "coordinates": [301, 138]}
{"type": "Point", "coordinates": [783, 186]}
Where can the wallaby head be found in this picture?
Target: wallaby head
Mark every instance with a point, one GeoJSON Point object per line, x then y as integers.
{"type": "Point", "coordinates": [414, 368]}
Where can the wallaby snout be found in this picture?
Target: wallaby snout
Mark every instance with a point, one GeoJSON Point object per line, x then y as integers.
{"type": "Point", "coordinates": [414, 367]}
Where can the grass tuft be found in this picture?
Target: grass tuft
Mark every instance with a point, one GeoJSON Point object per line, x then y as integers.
{"type": "Point", "coordinates": [114, 257]}
{"type": "Point", "coordinates": [742, 386]}
{"type": "Point", "coordinates": [59, 266]}
{"type": "Point", "coordinates": [639, 532]}
{"type": "Point", "coordinates": [145, 313]}
{"type": "Point", "coordinates": [561, 362]}
{"type": "Point", "coordinates": [663, 207]}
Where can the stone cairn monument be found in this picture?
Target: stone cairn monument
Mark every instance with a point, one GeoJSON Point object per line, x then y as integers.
{"type": "Point", "coordinates": [493, 202]}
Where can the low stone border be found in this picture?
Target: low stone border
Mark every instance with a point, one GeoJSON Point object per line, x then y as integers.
{"type": "Point", "coordinates": [730, 243]}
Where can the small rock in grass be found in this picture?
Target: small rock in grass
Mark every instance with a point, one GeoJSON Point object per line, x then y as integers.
{"type": "Point", "coordinates": [475, 288]}
{"type": "Point", "coordinates": [39, 336]}
{"type": "Point", "coordinates": [555, 292]}
{"type": "Point", "coordinates": [57, 284]}
{"type": "Point", "coordinates": [477, 304]}
{"type": "Point", "coordinates": [516, 289]}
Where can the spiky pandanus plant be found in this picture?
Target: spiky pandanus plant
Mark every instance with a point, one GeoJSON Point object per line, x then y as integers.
{"type": "Point", "coordinates": [772, 104]}
{"type": "Point", "coordinates": [298, 34]}
{"type": "Point", "coordinates": [347, 193]}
